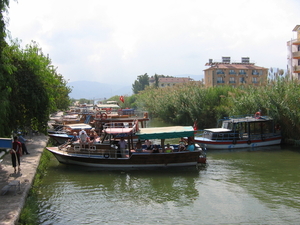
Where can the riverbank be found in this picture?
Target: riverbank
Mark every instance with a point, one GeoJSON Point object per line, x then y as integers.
{"type": "Point", "coordinates": [11, 203]}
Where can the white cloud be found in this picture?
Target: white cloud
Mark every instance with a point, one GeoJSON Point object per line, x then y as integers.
{"type": "Point", "coordinates": [115, 41]}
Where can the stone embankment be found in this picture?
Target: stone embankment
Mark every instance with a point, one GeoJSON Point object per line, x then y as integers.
{"type": "Point", "coordinates": [12, 202]}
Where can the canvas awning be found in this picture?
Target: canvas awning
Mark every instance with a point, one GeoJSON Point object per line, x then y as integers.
{"type": "Point", "coordinates": [118, 130]}
{"type": "Point", "coordinates": [165, 132]}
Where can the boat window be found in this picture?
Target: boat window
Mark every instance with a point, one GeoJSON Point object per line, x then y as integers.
{"type": "Point", "coordinates": [227, 125]}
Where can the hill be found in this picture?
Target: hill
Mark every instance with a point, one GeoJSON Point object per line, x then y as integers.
{"type": "Point", "coordinates": [96, 90]}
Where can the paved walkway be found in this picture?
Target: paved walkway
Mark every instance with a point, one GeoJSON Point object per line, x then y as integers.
{"type": "Point", "coordinates": [12, 203]}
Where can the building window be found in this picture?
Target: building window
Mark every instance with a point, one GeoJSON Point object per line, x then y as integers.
{"type": "Point", "coordinates": [242, 72]}
{"type": "Point", "coordinates": [232, 72]}
{"type": "Point", "coordinates": [254, 80]}
{"type": "Point", "coordinates": [242, 80]}
{"type": "Point", "coordinates": [231, 80]}
{"type": "Point", "coordinates": [255, 72]}
{"type": "Point", "coordinates": [220, 80]}
{"type": "Point", "coordinates": [220, 71]}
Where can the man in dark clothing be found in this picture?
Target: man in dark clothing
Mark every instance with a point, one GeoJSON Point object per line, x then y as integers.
{"type": "Point", "coordinates": [16, 152]}
{"type": "Point", "coordinates": [23, 140]}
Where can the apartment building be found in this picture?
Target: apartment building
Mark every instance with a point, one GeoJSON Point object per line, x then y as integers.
{"type": "Point", "coordinates": [293, 46]}
{"type": "Point", "coordinates": [234, 73]}
{"type": "Point", "coordinates": [169, 81]}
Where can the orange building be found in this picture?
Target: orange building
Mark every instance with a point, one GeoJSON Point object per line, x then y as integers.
{"type": "Point", "coordinates": [234, 73]}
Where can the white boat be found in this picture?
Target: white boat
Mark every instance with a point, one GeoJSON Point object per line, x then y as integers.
{"type": "Point", "coordinates": [241, 132]}
{"type": "Point", "coordinates": [67, 132]}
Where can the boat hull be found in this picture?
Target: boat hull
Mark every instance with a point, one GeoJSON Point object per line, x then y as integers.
{"type": "Point", "coordinates": [229, 144]}
{"type": "Point", "coordinates": [60, 138]}
{"type": "Point", "coordinates": [136, 160]}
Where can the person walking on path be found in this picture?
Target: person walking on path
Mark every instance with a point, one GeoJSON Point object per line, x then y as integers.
{"type": "Point", "coordinates": [23, 140]}
{"type": "Point", "coordinates": [16, 152]}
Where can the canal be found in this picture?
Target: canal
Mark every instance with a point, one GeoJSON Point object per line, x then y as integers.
{"type": "Point", "coordinates": [253, 186]}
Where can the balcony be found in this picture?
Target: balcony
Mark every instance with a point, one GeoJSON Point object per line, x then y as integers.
{"type": "Point", "coordinates": [220, 72]}
{"type": "Point", "coordinates": [296, 42]}
{"type": "Point", "coordinates": [220, 81]}
{"type": "Point", "coordinates": [296, 55]}
{"type": "Point", "coordinates": [242, 73]}
{"type": "Point", "coordinates": [232, 82]}
{"type": "Point", "coordinates": [296, 69]}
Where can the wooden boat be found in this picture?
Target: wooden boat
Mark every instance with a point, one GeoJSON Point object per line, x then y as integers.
{"type": "Point", "coordinates": [66, 133]}
{"type": "Point", "coordinates": [241, 132]}
{"type": "Point", "coordinates": [106, 154]}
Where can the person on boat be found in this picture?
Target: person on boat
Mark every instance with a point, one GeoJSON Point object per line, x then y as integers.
{"type": "Point", "coordinates": [93, 137]}
{"type": "Point", "coordinates": [138, 146]}
{"type": "Point", "coordinates": [83, 138]}
{"type": "Point", "coordinates": [74, 138]}
{"type": "Point", "coordinates": [182, 144]}
{"type": "Point", "coordinates": [155, 149]}
{"type": "Point", "coordinates": [122, 144]}
{"type": "Point", "coordinates": [191, 147]}
{"type": "Point", "coordinates": [168, 149]}
{"type": "Point", "coordinates": [148, 144]}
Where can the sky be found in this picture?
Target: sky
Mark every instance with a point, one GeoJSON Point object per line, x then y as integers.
{"type": "Point", "coordinates": [115, 41]}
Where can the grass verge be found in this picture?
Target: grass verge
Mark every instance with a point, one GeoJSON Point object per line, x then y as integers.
{"type": "Point", "coordinates": [29, 214]}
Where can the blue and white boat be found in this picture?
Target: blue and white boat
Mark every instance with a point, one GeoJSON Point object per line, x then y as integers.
{"type": "Point", "coordinates": [241, 132]}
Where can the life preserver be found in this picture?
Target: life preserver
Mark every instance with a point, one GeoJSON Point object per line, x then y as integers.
{"type": "Point", "coordinates": [257, 115]}
{"type": "Point", "coordinates": [104, 116]}
{"type": "Point", "coordinates": [249, 142]}
{"type": "Point", "coordinates": [98, 115]}
{"type": "Point", "coordinates": [108, 110]}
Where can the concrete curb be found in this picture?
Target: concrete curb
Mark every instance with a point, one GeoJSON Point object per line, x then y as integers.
{"type": "Point", "coordinates": [11, 204]}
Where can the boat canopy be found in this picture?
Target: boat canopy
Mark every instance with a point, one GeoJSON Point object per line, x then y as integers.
{"type": "Point", "coordinates": [79, 126]}
{"type": "Point", "coordinates": [108, 106]}
{"type": "Point", "coordinates": [118, 130]}
{"type": "Point", "coordinates": [165, 132]}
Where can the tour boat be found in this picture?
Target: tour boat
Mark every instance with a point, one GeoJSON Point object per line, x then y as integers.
{"type": "Point", "coordinates": [241, 132]}
{"type": "Point", "coordinates": [106, 153]}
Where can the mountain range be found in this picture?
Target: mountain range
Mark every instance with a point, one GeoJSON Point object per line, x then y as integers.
{"type": "Point", "coordinates": [96, 90]}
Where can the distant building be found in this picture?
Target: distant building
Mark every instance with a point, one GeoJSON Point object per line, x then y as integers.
{"type": "Point", "coordinates": [169, 81]}
{"type": "Point", "coordinates": [294, 55]}
{"type": "Point", "coordinates": [234, 73]}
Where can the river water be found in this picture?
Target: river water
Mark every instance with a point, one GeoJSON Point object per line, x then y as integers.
{"type": "Point", "coordinates": [254, 186]}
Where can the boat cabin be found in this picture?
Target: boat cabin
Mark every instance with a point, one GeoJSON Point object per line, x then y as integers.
{"type": "Point", "coordinates": [242, 128]}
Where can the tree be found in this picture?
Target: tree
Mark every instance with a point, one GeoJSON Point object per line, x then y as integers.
{"type": "Point", "coordinates": [6, 70]}
{"type": "Point", "coordinates": [140, 84]}
{"type": "Point", "coordinates": [156, 84]}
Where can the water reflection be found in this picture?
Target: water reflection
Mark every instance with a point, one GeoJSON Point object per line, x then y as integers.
{"type": "Point", "coordinates": [85, 190]}
{"type": "Point", "coordinates": [249, 186]}
{"type": "Point", "coordinates": [271, 174]}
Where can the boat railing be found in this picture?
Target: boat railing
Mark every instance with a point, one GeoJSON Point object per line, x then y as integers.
{"type": "Point", "coordinates": [99, 150]}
